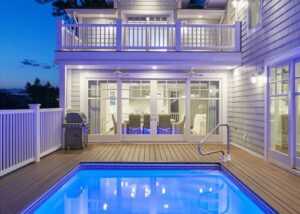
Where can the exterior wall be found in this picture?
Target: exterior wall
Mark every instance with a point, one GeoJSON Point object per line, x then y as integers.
{"type": "Point", "coordinates": [280, 32]}
{"type": "Point", "coordinates": [75, 91]}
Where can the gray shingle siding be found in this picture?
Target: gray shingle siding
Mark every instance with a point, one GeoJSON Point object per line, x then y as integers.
{"type": "Point", "coordinates": [280, 32]}
{"type": "Point", "coordinates": [75, 91]}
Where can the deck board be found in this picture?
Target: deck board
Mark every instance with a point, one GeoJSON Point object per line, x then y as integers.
{"type": "Point", "coordinates": [278, 187]}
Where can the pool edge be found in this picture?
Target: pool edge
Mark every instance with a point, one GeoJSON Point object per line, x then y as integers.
{"type": "Point", "coordinates": [265, 206]}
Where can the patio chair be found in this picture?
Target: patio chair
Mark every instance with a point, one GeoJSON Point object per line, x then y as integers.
{"type": "Point", "coordinates": [134, 124]}
{"type": "Point", "coordinates": [164, 124]}
{"type": "Point", "coordinates": [146, 124]}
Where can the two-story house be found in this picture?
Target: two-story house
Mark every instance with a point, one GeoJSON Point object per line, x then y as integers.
{"type": "Point", "coordinates": [172, 70]}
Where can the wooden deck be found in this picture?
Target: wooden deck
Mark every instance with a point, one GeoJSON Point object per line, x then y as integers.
{"type": "Point", "coordinates": [279, 188]}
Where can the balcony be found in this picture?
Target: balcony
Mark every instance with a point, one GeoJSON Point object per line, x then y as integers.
{"type": "Point", "coordinates": [149, 37]}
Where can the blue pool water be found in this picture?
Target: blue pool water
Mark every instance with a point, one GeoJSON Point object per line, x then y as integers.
{"type": "Point", "coordinates": [96, 188]}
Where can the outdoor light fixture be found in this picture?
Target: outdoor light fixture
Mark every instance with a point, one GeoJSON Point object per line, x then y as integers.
{"type": "Point", "coordinates": [154, 67]}
{"type": "Point", "coordinates": [258, 78]}
{"type": "Point", "coordinates": [80, 67]}
{"type": "Point", "coordinates": [261, 79]}
{"type": "Point", "coordinates": [253, 79]}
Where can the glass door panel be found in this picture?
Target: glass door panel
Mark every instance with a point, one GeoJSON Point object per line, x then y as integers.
{"type": "Point", "coordinates": [279, 124]}
{"type": "Point", "coordinates": [204, 107]}
{"type": "Point", "coordinates": [279, 105]}
{"type": "Point", "coordinates": [171, 102]}
{"type": "Point", "coordinates": [102, 107]}
{"type": "Point", "coordinates": [136, 107]}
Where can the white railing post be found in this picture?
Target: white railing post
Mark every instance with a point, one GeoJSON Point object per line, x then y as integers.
{"type": "Point", "coordinates": [59, 34]}
{"type": "Point", "coordinates": [119, 35]}
{"type": "Point", "coordinates": [178, 35]}
{"type": "Point", "coordinates": [237, 31]}
{"type": "Point", "coordinates": [36, 131]}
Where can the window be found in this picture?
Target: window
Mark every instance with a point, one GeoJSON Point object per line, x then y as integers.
{"type": "Point", "coordinates": [254, 14]}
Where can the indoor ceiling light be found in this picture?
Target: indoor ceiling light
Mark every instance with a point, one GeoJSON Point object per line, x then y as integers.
{"type": "Point", "coordinates": [234, 3]}
{"type": "Point", "coordinates": [154, 67]}
{"type": "Point", "coordinates": [200, 16]}
{"type": "Point", "coordinates": [80, 67]}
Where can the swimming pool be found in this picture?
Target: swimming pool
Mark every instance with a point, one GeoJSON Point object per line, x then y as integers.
{"type": "Point", "coordinates": [149, 188]}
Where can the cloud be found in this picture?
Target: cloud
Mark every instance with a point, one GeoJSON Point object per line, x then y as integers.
{"type": "Point", "coordinates": [30, 62]}
{"type": "Point", "coordinates": [34, 63]}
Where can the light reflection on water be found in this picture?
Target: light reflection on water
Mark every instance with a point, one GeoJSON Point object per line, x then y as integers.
{"type": "Point", "coordinates": [149, 191]}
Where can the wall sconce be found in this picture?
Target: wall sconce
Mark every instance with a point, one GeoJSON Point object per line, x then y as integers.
{"type": "Point", "coordinates": [261, 79]}
{"type": "Point", "coordinates": [253, 79]}
{"type": "Point", "coordinates": [258, 78]}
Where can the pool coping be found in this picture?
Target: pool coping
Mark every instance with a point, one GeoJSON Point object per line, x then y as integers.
{"type": "Point", "coordinates": [259, 201]}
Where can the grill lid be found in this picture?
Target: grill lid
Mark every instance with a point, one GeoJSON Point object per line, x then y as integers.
{"type": "Point", "coordinates": [73, 117]}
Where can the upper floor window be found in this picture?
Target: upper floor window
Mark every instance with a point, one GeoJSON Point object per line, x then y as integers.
{"type": "Point", "coordinates": [254, 14]}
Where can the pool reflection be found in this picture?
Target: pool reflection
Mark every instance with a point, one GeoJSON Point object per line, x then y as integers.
{"type": "Point", "coordinates": [138, 191]}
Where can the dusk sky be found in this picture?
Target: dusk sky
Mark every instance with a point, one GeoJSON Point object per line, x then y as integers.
{"type": "Point", "coordinates": [27, 43]}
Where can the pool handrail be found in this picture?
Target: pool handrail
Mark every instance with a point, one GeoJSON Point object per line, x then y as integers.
{"type": "Point", "coordinates": [224, 157]}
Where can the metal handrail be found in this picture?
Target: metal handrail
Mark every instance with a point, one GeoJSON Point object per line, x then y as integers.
{"type": "Point", "coordinates": [224, 157]}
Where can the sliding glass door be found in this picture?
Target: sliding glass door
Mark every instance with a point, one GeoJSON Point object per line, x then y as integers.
{"type": "Point", "coordinates": [141, 110]}
{"type": "Point", "coordinates": [102, 107]}
{"type": "Point", "coordinates": [204, 111]}
{"type": "Point", "coordinates": [279, 110]}
{"type": "Point", "coordinates": [297, 93]}
{"type": "Point", "coordinates": [284, 114]}
{"type": "Point", "coordinates": [136, 110]}
{"type": "Point", "coordinates": [153, 110]}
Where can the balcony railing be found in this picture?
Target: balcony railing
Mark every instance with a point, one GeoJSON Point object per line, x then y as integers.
{"type": "Point", "coordinates": [149, 37]}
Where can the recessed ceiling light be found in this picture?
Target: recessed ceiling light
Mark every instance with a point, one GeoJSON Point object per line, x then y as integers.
{"type": "Point", "coordinates": [154, 67]}
{"type": "Point", "coordinates": [80, 67]}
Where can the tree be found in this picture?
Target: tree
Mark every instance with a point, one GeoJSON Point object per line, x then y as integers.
{"type": "Point", "coordinates": [59, 6]}
{"type": "Point", "coordinates": [46, 95]}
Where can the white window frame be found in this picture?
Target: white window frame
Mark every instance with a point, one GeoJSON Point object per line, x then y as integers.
{"type": "Point", "coordinates": [259, 25]}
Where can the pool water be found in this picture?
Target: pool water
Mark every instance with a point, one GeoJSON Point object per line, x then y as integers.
{"type": "Point", "coordinates": [150, 190]}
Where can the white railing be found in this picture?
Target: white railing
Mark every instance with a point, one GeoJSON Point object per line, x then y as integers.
{"type": "Point", "coordinates": [51, 130]}
{"type": "Point", "coordinates": [147, 37]}
{"type": "Point", "coordinates": [90, 36]}
{"type": "Point", "coordinates": [208, 37]}
{"type": "Point", "coordinates": [27, 135]}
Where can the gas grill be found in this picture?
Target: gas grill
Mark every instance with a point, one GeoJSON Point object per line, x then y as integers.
{"type": "Point", "coordinates": [76, 130]}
